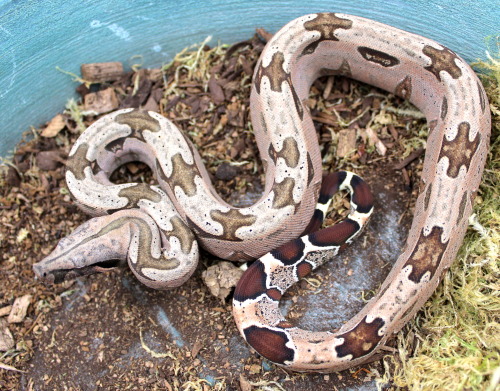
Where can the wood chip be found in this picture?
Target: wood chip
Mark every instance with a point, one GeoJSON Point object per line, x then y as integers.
{"type": "Point", "coordinates": [198, 345]}
{"type": "Point", "coordinates": [406, 177]}
{"type": "Point", "coordinates": [6, 338]}
{"type": "Point", "coordinates": [326, 119]}
{"type": "Point", "coordinates": [101, 72]}
{"type": "Point", "coordinates": [55, 125]}
{"type": "Point", "coordinates": [266, 35]}
{"type": "Point", "coordinates": [221, 278]}
{"type": "Point", "coordinates": [254, 369]}
{"type": "Point", "coordinates": [101, 102]}
{"type": "Point", "coordinates": [374, 140]}
{"type": "Point", "coordinates": [19, 309]}
{"type": "Point", "coordinates": [238, 147]}
{"type": "Point", "coordinates": [5, 310]}
{"type": "Point", "coordinates": [216, 91]}
{"type": "Point", "coordinates": [328, 87]}
{"type": "Point", "coordinates": [347, 142]}
{"type": "Point", "coordinates": [235, 115]}
{"type": "Point", "coordinates": [403, 163]}
{"type": "Point", "coordinates": [132, 167]}
{"type": "Point", "coordinates": [151, 104]}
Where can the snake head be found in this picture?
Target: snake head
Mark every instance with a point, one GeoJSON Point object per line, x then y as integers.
{"type": "Point", "coordinates": [50, 275]}
{"type": "Point", "coordinates": [88, 250]}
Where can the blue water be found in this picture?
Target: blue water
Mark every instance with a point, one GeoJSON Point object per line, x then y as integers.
{"type": "Point", "coordinates": [37, 36]}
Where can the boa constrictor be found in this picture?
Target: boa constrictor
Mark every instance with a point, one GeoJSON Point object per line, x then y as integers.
{"type": "Point", "coordinates": [154, 228]}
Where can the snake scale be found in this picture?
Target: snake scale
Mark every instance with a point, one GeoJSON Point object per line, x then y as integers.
{"type": "Point", "coordinates": [157, 228]}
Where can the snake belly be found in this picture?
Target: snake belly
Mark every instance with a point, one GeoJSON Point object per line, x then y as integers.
{"type": "Point", "coordinates": [153, 228]}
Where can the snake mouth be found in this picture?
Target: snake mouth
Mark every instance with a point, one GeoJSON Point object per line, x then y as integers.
{"type": "Point", "coordinates": [106, 265]}
{"type": "Point", "coordinates": [57, 276]}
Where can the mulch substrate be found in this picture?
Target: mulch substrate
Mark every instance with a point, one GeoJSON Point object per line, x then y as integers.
{"type": "Point", "coordinates": [108, 332]}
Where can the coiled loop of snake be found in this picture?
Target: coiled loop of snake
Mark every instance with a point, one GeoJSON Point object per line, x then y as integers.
{"type": "Point", "coordinates": [152, 227]}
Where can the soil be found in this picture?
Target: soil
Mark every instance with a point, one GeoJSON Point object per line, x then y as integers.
{"type": "Point", "coordinates": [108, 331]}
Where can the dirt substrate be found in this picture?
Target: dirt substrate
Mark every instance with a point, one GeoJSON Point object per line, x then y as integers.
{"type": "Point", "coordinates": [110, 332]}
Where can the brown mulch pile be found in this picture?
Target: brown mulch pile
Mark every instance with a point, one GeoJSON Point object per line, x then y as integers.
{"type": "Point", "coordinates": [206, 93]}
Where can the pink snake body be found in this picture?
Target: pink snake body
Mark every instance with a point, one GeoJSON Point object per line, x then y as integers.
{"type": "Point", "coordinates": [154, 227]}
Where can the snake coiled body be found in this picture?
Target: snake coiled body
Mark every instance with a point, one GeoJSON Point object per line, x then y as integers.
{"type": "Point", "coordinates": [154, 227]}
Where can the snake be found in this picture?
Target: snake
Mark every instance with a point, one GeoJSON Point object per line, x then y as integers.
{"type": "Point", "coordinates": [158, 229]}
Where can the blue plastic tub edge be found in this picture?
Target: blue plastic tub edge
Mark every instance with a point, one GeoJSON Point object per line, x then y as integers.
{"type": "Point", "coordinates": [37, 36]}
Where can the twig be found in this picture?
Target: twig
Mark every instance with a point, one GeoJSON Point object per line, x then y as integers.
{"type": "Point", "coordinates": [9, 368]}
{"type": "Point", "coordinates": [403, 163]}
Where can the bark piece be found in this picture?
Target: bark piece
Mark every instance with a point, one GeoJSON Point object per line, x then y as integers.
{"type": "Point", "coordinates": [101, 102]}
{"type": "Point", "coordinates": [347, 142]}
{"type": "Point", "coordinates": [19, 309]}
{"type": "Point", "coordinates": [101, 72]}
